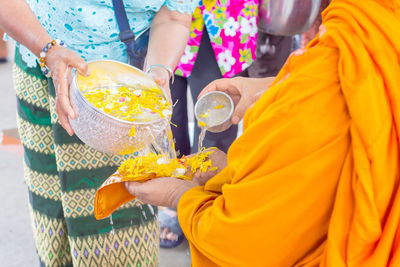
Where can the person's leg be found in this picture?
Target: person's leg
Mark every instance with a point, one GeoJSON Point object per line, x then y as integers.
{"type": "Point", "coordinates": [3, 48]}
{"type": "Point", "coordinates": [180, 116]}
{"type": "Point", "coordinates": [63, 174]}
{"type": "Point", "coordinates": [171, 234]}
{"type": "Point", "coordinates": [130, 231]}
{"type": "Point", "coordinates": [206, 70]}
{"type": "Point", "coordinates": [40, 169]}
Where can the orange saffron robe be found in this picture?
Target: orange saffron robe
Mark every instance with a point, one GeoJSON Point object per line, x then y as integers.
{"type": "Point", "coordinates": [314, 179]}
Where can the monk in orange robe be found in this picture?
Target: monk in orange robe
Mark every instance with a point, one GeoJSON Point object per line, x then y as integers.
{"type": "Point", "coordinates": [314, 180]}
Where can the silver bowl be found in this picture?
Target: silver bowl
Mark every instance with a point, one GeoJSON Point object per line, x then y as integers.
{"type": "Point", "coordinates": [105, 132]}
{"type": "Point", "coordinates": [287, 17]}
{"type": "Point", "coordinates": [217, 120]}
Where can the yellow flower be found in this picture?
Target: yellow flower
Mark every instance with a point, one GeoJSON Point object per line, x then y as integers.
{"type": "Point", "coordinates": [152, 166]}
{"type": "Point", "coordinates": [197, 21]}
{"type": "Point", "coordinates": [209, 4]}
{"type": "Point", "coordinates": [248, 10]}
{"type": "Point", "coordinates": [220, 12]}
{"type": "Point", "coordinates": [132, 132]}
{"type": "Point", "coordinates": [245, 55]}
{"type": "Point", "coordinates": [130, 103]}
{"type": "Point", "coordinates": [255, 11]}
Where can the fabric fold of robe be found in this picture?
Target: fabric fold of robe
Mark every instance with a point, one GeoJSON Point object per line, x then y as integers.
{"type": "Point", "coordinates": [314, 179]}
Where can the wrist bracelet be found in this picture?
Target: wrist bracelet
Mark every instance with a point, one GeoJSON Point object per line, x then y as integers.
{"type": "Point", "coordinates": [42, 58]}
{"type": "Point", "coordinates": [168, 69]}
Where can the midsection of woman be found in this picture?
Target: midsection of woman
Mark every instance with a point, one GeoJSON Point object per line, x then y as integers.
{"type": "Point", "coordinates": [89, 27]}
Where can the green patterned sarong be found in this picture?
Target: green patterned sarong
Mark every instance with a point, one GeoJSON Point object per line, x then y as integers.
{"type": "Point", "coordinates": [63, 175]}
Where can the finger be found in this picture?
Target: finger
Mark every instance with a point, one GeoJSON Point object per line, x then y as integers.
{"type": "Point", "coordinates": [240, 110]}
{"type": "Point", "coordinates": [162, 79]}
{"type": "Point", "coordinates": [191, 155]}
{"type": "Point", "coordinates": [160, 76]}
{"type": "Point", "coordinates": [209, 88]}
{"type": "Point", "coordinates": [63, 105]}
{"type": "Point", "coordinates": [64, 120]}
{"type": "Point", "coordinates": [79, 63]}
{"type": "Point", "coordinates": [225, 85]}
{"type": "Point", "coordinates": [62, 93]}
{"type": "Point", "coordinates": [196, 177]}
{"type": "Point", "coordinates": [214, 149]}
{"type": "Point", "coordinates": [131, 187]}
{"type": "Point", "coordinates": [167, 91]}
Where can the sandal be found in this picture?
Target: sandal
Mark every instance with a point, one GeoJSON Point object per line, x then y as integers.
{"type": "Point", "coordinates": [3, 60]}
{"type": "Point", "coordinates": [169, 225]}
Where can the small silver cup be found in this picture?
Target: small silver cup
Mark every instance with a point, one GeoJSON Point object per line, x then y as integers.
{"type": "Point", "coordinates": [214, 111]}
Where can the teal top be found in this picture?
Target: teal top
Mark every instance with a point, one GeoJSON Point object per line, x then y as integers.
{"type": "Point", "coordinates": [89, 27]}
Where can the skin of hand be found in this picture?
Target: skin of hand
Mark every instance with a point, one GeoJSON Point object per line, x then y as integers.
{"type": "Point", "coordinates": [243, 91]}
{"type": "Point", "coordinates": [218, 159]}
{"type": "Point", "coordinates": [3, 46]}
{"type": "Point", "coordinates": [161, 77]}
{"type": "Point", "coordinates": [165, 191]}
{"type": "Point", "coordinates": [60, 61]}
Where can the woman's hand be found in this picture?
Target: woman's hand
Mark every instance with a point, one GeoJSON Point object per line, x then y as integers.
{"type": "Point", "coordinates": [60, 61]}
{"type": "Point", "coordinates": [218, 159]}
{"type": "Point", "coordinates": [164, 192]}
{"type": "Point", "coordinates": [243, 91]}
{"type": "Point", "coordinates": [161, 77]}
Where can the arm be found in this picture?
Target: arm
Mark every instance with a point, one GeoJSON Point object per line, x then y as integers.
{"type": "Point", "coordinates": [18, 20]}
{"type": "Point", "coordinates": [3, 46]}
{"type": "Point", "coordinates": [25, 27]}
{"type": "Point", "coordinates": [168, 38]}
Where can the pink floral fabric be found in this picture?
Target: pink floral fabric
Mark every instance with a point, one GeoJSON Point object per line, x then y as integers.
{"type": "Point", "coordinates": [232, 28]}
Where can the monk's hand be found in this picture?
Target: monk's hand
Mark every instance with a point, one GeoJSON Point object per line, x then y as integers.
{"type": "Point", "coordinates": [165, 191]}
{"type": "Point", "coordinates": [61, 61]}
{"type": "Point", "coordinates": [161, 77]}
{"type": "Point", "coordinates": [243, 91]}
{"type": "Point", "coordinates": [218, 159]}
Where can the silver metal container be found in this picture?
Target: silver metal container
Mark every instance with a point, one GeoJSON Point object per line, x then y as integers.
{"type": "Point", "coordinates": [102, 131]}
{"type": "Point", "coordinates": [287, 17]}
{"type": "Point", "coordinates": [214, 120]}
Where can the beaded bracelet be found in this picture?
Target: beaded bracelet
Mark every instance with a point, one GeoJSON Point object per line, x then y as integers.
{"type": "Point", "coordinates": [42, 58]}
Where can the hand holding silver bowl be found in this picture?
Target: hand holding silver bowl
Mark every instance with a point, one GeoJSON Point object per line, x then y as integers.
{"type": "Point", "coordinates": [103, 131]}
{"type": "Point", "coordinates": [214, 111]}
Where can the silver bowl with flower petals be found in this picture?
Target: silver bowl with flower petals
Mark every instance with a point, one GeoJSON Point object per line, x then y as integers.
{"type": "Point", "coordinates": [102, 131]}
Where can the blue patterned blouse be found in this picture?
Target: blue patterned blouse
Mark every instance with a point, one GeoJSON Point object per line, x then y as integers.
{"type": "Point", "coordinates": [89, 27]}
